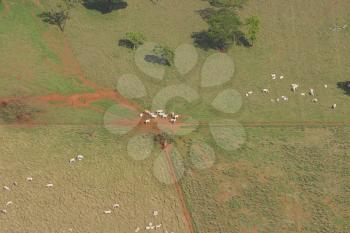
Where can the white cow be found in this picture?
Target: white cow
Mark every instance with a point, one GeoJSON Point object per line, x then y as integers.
{"type": "Point", "coordinates": [265, 90]}
{"type": "Point", "coordinates": [315, 100]}
{"type": "Point", "coordinates": [147, 121]}
{"type": "Point", "coordinates": [107, 211]}
{"type": "Point", "coordinates": [72, 160]}
{"type": "Point", "coordinates": [172, 120]}
{"type": "Point", "coordinates": [334, 106]}
{"type": "Point", "coordinates": [29, 178]}
{"type": "Point", "coordinates": [49, 185]}
{"type": "Point", "coordinates": [294, 87]}
{"type": "Point", "coordinates": [312, 92]}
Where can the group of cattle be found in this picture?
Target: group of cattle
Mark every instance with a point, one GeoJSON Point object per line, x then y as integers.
{"type": "Point", "coordinates": [294, 88]}
{"type": "Point", "coordinates": [148, 116]}
{"type": "Point", "coordinates": [149, 226]}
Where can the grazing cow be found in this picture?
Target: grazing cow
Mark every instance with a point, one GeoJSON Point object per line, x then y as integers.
{"type": "Point", "coordinates": [4, 211]}
{"type": "Point", "coordinates": [72, 160]}
{"type": "Point", "coordinates": [141, 115]}
{"type": "Point", "coordinates": [281, 77]}
{"type": "Point", "coordinates": [312, 92]}
{"type": "Point", "coordinates": [158, 226]}
{"type": "Point", "coordinates": [246, 94]}
{"type": "Point", "coordinates": [265, 90]}
{"type": "Point", "coordinates": [9, 203]}
{"type": "Point", "coordinates": [325, 86]}
{"type": "Point", "coordinates": [159, 111]}
{"type": "Point", "coordinates": [303, 94]}
{"type": "Point", "coordinates": [250, 92]}
{"type": "Point", "coordinates": [116, 205]}
{"type": "Point", "coordinates": [137, 229]}
{"type": "Point", "coordinates": [49, 185]}
{"type": "Point", "coordinates": [172, 120]}
{"type": "Point", "coordinates": [29, 178]}
{"type": "Point", "coordinates": [273, 76]}
{"type": "Point", "coordinates": [147, 121]}
{"type": "Point", "coordinates": [155, 213]}
{"type": "Point", "coordinates": [107, 211]}
{"type": "Point", "coordinates": [278, 99]}
{"type": "Point", "coordinates": [153, 115]}
{"type": "Point", "coordinates": [176, 116]}
{"type": "Point", "coordinates": [80, 157]}
{"type": "Point", "coordinates": [315, 100]}
{"type": "Point", "coordinates": [334, 106]}
{"type": "Point", "coordinates": [7, 188]}
{"type": "Point", "coordinates": [294, 87]}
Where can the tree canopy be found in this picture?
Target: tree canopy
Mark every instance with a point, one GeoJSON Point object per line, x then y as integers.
{"type": "Point", "coordinates": [224, 28]}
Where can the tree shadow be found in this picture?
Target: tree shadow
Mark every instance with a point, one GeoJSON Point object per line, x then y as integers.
{"type": "Point", "coordinates": [46, 16]}
{"type": "Point", "coordinates": [126, 43]}
{"type": "Point", "coordinates": [104, 6]}
{"type": "Point", "coordinates": [156, 60]}
{"type": "Point", "coordinates": [345, 86]}
{"type": "Point", "coordinates": [203, 41]}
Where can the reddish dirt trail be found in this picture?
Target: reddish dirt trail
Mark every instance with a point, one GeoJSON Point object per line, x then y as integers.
{"type": "Point", "coordinates": [187, 216]}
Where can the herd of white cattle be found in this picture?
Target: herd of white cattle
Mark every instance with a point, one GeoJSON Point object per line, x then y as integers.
{"type": "Point", "coordinates": [148, 116]}
{"type": "Point", "coordinates": [114, 207]}
{"type": "Point", "coordinates": [294, 87]}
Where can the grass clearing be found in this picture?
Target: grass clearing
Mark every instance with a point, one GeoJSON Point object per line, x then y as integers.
{"type": "Point", "coordinates": [282, 179]}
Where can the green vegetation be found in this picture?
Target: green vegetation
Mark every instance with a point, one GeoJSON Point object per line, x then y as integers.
{"type": "Point", "coordinates": [224, 28]}
{"type": "Point", "coordinates": [134, 39]}
{"type": "Point", "coordinates": [165, 53]}
{"type": "Point", "coordinates": [253, 26]}
{"type": "Point", "coordinates": [228, 3]}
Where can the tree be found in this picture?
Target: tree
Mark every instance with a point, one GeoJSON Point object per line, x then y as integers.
{"type": "Point", "coordinates": [228, 3]}
{"type": "Point", "coordinates": [166, 53]}
{"type": "Point", "coordinates": [135, 39]}
{"type": "Point", "coordinates": [253, 27]}
{"type": "Point", "coordinates": [224, 28]}
{"type": "Point", "coordinates": [60, 13]}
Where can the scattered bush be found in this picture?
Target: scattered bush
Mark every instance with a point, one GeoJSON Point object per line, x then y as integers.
{"type": "Point", "coordinates": [16, 111]}
{"type": "Point", "coordinates": [166, 53]}
{"type": "Point", "coordinates": [133, 40]}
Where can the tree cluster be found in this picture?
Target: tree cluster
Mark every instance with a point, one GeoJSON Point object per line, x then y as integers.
{"type": "Point", "coordinates": [226, 27]}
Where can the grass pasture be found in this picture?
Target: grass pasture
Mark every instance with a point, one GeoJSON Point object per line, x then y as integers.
{"type": "Point", "coordinates": [290, 174]}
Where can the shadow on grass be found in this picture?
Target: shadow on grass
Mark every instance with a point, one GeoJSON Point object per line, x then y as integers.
{"type": "Point", "coordinates": [126, 43]}
{"type": "Point", "coordinates": [104, 6]}
{"type": "Point", "coordinates": [203, 41]}
{"type": "Point", "coordinates": [345, 86]}
{"type": "Point", "coordinates": [156, 60]}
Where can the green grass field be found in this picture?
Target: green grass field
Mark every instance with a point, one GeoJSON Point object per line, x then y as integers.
{"type": "Point", "coordinates": [290, 175]}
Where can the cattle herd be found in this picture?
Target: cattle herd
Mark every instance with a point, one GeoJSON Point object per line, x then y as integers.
{"type": "Point", "coordinates": [148, 116]}
{"type": "Point", "coordinates": [294, 88]}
